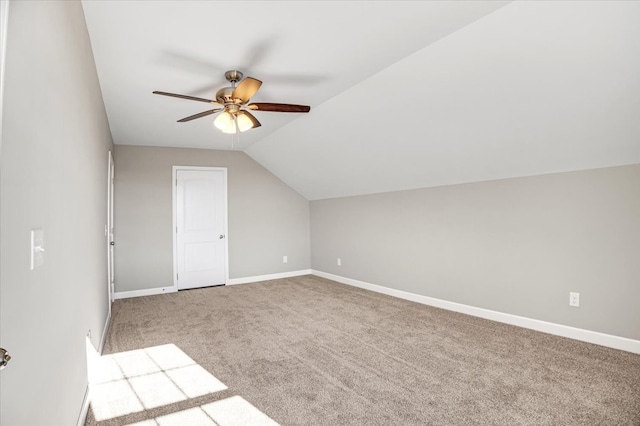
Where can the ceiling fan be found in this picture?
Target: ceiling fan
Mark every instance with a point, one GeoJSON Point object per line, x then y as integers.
{"type": "Point", "coordinates": [233, 103]}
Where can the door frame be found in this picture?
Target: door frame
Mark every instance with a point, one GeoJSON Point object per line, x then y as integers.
{"type": "Point", "coordinates": [174, 230]}
{"type": "Point", "coordinates": [4, 18]}
{"type": "Point", "coordinates": [109, 231]}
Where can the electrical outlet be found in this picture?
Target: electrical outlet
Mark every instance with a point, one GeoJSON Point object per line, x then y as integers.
{"type": "Point", "coordinates": [284, 259]}
{"type": "Point", "coordinates": [339, 262]}
{"type": "Point", "coordinates": [574, 299]}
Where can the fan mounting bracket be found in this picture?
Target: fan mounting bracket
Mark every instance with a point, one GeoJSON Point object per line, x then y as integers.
{"type": "Point", "coordinates": [233, 76]}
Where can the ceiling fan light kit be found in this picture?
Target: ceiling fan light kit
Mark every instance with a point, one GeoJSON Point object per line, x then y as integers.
{"type": "Point", "coordinates": [227, 123]}
{"type": "Point", "coordinates": [233, 104]}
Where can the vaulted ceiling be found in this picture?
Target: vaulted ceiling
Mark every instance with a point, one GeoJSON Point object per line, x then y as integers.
{"type": "Point", "coordinates": [403, 94]}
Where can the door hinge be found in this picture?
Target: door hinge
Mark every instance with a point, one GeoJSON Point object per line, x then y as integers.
{"type": "Point", "coordinates": [177, 275]}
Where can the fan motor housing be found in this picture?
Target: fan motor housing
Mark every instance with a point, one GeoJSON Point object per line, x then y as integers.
{"type": "Point", "coordinates": [224, 95]}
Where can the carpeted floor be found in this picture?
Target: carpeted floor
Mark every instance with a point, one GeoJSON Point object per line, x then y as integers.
{"type": "Point", "coordinates": [308, 351]}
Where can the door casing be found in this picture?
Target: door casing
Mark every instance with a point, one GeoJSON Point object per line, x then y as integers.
{"type": "Point", "coordinates": [109, 231]}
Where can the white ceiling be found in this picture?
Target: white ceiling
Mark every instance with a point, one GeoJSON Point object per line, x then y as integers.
{"type": "Point", "coordinates": [402, 94]}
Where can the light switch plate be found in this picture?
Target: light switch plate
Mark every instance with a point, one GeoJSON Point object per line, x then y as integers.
{"type": "Point", "coordinates": [37, 248]}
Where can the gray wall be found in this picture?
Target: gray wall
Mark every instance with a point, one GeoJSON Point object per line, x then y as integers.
{"type": "Point", "coordinates": [55, 145]}
{"type": "Point", "coordinates": [267, 219]}
{"type": "Point", "coordinates": [517, 246]}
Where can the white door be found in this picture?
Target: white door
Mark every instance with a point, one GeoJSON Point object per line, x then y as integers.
{"type": "Point", "coordinates": [201, 212]}
{"type": "Point", "coordinates": [110, 241]}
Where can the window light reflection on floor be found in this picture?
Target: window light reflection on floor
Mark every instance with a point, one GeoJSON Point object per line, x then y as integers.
{"type": "Point", "coordinates": [133, 381]}
{"type": "Point", "coordinates": [234, 411]}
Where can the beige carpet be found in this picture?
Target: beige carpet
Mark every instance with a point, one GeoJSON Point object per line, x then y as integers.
{"type": "Point", "coordinates": [308, 351]}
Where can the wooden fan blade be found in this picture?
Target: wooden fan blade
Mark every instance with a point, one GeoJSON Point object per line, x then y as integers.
{"type": "Point", "coordinates": [191, 98]}
{"type": "Point", "coordinates": [199, 115]}
{"type": "Point", "coordinates": [250, 116]}
{"type": "Point", "coordinates": [261, 106]}
{"type": "Point", "coordinates": [246, 89]}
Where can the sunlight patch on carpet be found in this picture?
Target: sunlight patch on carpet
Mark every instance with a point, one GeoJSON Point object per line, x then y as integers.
{"type": "Point", "coordinates": [234, 411]}
{"type": "Point", "coordinates": [134, 381]}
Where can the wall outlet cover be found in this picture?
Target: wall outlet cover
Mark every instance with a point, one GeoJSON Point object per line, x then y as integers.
{"type": "Point", "coordinates": [574, 299]}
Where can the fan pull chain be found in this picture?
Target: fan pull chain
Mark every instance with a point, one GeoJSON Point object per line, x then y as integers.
{"type": "Point", "coordinates": [236, 134]}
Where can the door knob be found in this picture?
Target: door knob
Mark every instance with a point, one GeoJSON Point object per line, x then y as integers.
{"type": "Point", "coordinates": [4, 358]}
{"type": "Point", "coordinates": [112, 243]}
{"type": "Point", "coordinates": [221, 236]}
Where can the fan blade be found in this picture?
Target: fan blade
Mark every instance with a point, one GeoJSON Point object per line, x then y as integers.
{"type": "Point", "coordinates": [261, 106]}
{"type": "Point", "coordinates": [246, 89]}
{"type": "Point", "coordinates": [250, 116]}
{"type": "Point", "coordinates": [191, 98]}
{"type": "Point", "coordinates": [199, 115]}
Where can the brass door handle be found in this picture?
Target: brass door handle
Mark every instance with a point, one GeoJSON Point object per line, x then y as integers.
{"type": "Point", "coordinates": [4, 358]}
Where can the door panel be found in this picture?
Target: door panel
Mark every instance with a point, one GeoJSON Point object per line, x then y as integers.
{"type": "Point", "coordinates": [201, 228]}
{"type": "Point", "coordinates": [198, 256]}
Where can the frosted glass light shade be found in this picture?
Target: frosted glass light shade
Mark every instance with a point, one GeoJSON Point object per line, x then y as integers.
{"type": "Point", "coordinates": [225, 123]}
{"type": "Point", "coordinates": [244, 122]}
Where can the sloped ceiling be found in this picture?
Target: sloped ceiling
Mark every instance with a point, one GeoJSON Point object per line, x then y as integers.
{"type": "Point", "coordinates": [403, 94]}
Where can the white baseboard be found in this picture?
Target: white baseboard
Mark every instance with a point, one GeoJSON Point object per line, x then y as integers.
{"type": "Point", "coordinates": [84, 410]}
{"type": "Point", "coordinates": [82, 419]}
{"type": "Point", "coordinates": [145, 292]}
{"type": "Point", "coordinates": [230, 281]}
{"type": "Point", "coordinates": [616, 342]}
{"type": "Point", "coordinates": [105, 330]}
{"type": "Point", "coordinates": [246, 280]}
